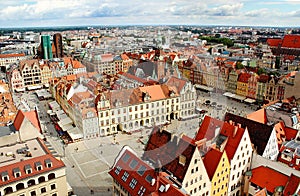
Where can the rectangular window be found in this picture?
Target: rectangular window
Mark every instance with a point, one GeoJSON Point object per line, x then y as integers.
{"type": "Point", "coordinates": [118, 169]}
{"type": "Point", "coordinates": [43, 190]}
{"type": "Point", "coordinates": [33, 193]}
{"type": "Point", "coordinates": [125, 176]}
{"type": "Point", "coordinates": [53, 186]}
{"type": "Point", "coordinates": [132, 183]}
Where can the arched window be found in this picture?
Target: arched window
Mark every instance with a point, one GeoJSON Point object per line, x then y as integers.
{"type": "Point", "coordinates": [51, 176]}
{"type": "Point", "coordinates": [30, 182]}
{"type": "Point", "coordinates": [20, 186]}
{"type": "Point", "coordinates": [41, 179]}
{"type": "Point", "coordinates": [8, 190]}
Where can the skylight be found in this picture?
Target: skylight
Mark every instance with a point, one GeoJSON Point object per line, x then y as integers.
{"type": "Point", "coordinates": [125, 158]}
{"type": "Point", "coordinates": [133, 164]}
{"type": "Point", "coordinates": [141, 170]}
{"type": "Point", "coordinates": [149, 178]}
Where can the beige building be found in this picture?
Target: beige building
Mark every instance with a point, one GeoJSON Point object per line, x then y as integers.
{"type": "Point", "coordinates": [131, 109]}
{"type": "Point", "coordinates": [29, 169]}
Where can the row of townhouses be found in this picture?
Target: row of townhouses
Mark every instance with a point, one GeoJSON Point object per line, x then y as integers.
{"type": "Point", "coordinates": [99, 113]}
{"type": "Point", "coordinates": [217, 161]}
{"type": "Point", "coordinates": [34, 74]}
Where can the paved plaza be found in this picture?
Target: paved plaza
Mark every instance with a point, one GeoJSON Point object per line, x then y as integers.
{"type": "Point", "coordinates": [88, 162]}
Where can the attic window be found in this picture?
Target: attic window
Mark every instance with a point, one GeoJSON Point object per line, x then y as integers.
{"type": "Point", "coordinates": [182, 160]}
{"type": "Point", "coordinates": [38, 166]}
{"type": "Point", "coordinates": [4, 176]}
{"type": "Point", "coordinates": [48, 163]}
{"type": "Point", "coordinates": [17, 172]}
{"type": "Point", "coordinates": [28, 169]}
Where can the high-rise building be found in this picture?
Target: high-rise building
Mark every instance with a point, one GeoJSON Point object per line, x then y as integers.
{"type": "Point", "coordinates": [57, 47]}
{"type": "Point", "coordinates": [46, 47]}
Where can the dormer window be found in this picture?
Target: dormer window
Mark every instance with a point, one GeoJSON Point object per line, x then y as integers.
{"type": "Point", "coordinates": [38, 166]}
{"type": "Point", "coordinates": [17, 172]}
{"type": "Point", "coordinates": [4, 176]}
{"type": "Point", "coordinates": [182, 160]}
{"type": "Point", "coordinates": [28, 169]}
{"type": "Point", "coordinates": [48, 163]}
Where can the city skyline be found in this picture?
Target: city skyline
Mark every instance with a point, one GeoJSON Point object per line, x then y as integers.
{"type": "Point", "coordinates": [46, 13]}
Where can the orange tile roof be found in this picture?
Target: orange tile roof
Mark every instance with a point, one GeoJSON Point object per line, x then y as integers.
{"type": "Point", "coordinates": [11, 55]}
{"type": "Point", "coordinates": [31, 116]}
{"type": "Point", "coordinates": [177, 83]}
{"type": "Point", "coordinates": [262, 192]}
{"type": "Point", "coordinates": [211, 161]}
{"type": "Point", "coordinates": [258, 116]}
{"type": "Point", "coordinates": [156, 92]}
{"type": "Point", "coordinates": [268, 178]}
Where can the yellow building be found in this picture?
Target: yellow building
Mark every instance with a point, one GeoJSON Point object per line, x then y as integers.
{"type": "Point", "coordinates": [218, 168]}
{"type": "Point", "coordinates": [242, 84]}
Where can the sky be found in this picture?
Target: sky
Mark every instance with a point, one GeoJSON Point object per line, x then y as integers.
{"type": "Point", "coordinates": [45, 13]}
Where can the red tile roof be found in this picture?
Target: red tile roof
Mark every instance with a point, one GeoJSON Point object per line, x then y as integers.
{"type": "Point", "coordinates": [291, 41]}
{"type": "Point", "coordinates": [244, 77]}
{"type": "Point", "coordinates": [142, 174]}
{"type": "Point", "coordinates": [273, 42]}
{"type": "Point", "coordinates": [292, 185]}
{"type": "Point", "coordinates": [268, 178]}
{"type": "Point", "coordinates": [211, 128]}
{"type": "Point", "coordinates": [167, 148]}
{"type": "Point", "coordinates": [56, 163]}
{"type": "Point", "coordinates": [211, 161]}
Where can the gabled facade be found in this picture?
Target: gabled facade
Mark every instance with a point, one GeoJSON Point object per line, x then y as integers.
{"type": "Point", "coordinates": [187, 96]}
{"type": "Point", "coordinates": [242, 84]}
{"type": "Point", "coordinates": [261, 88]}
{"type": "Point", "coordinates": [263, 137]}
{"type": "Point", "coordinates": [252, 86]}
{"type": "Point", "coordinates": [232, 81]}
{"type": "Point", "coordinates": [16, 81]}
{"type": "Point", "coordinates": [181, 158]}
{"type": "Point", "coordinates": [218, 168]}
{"type": "Point", "coordinates": [235, 141]}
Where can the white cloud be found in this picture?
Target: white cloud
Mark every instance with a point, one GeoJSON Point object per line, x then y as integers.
{"type": "Point", "coordinates": [81, 12]}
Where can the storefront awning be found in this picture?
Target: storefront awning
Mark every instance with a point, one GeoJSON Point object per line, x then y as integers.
{"type": "Point", "coordinates": [239, 97]}
{"type": "Point", "coordinates": [228, 94]}
{"type": "Point", "coordinates": [248, 100]}
{"type": "Point", "coordinates": [203, 87]}
{"type": "Point", "coordinates": [75, 134]}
